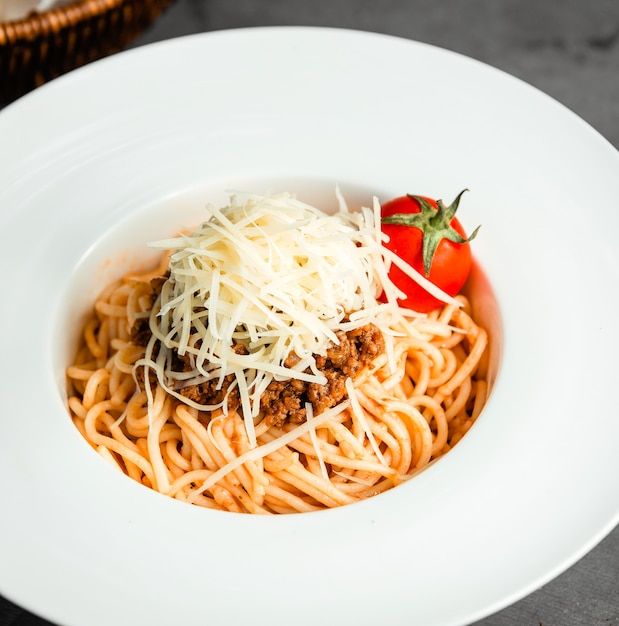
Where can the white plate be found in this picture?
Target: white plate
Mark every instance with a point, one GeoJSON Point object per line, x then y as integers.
{"type": "Point", "coordinates": [95, 163]}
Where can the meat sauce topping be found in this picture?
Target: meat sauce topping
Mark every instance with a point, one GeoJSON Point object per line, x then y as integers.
{"type": "Point", "coordinates": [284, 401]}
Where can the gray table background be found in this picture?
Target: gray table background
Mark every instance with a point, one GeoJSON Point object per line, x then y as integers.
{"type": "Point", "coordinates": [568, 49]}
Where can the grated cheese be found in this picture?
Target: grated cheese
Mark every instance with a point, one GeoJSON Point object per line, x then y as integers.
{"type": "Point", "coordinates": [279, 277]}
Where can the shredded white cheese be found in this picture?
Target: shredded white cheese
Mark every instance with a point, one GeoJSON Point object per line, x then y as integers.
{"type": "Point", "coordinates": [278, 277]}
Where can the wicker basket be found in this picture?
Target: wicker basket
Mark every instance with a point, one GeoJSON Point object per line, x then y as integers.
{"type": "Point", "coordinates": [42, 46]}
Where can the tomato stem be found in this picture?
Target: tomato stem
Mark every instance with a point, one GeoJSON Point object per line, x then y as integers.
{"type": "Point", "coordinates": [434, 223]}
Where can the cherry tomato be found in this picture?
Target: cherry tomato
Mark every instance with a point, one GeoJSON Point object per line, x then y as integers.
{"type": "Point", "coordinates": [424, 233]}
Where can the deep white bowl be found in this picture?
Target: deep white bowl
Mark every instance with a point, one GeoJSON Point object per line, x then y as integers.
{"type": "Point", "coordinates": [95, 164]}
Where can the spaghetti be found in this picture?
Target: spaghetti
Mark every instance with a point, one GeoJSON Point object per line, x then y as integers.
{"type": "Point", "coordinates": [404, 407]}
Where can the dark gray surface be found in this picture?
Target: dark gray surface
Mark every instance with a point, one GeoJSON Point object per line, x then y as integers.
{"type": "Point", "coordinates": [568, 49]}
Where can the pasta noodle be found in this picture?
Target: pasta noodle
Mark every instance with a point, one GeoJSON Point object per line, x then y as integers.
{"type": "Point", "coordinates": [401, 421]}
{"type": "Point", "coordinates": [407, 407]}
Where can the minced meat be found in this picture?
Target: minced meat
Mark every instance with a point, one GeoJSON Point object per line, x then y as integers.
{"type": "Point", "coordinates": [284, 401]}
{"type": "Point", "coordinates": [140, 331]}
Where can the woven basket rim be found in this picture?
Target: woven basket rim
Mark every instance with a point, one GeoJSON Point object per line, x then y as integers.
{"type": "Point", "coordinates": [42, 46]}
{"type": "Point", "coordinates": [43, 22]}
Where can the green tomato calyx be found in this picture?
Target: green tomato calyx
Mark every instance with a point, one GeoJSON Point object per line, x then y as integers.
{"type": "Point", "coordinates": [434, 223]}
